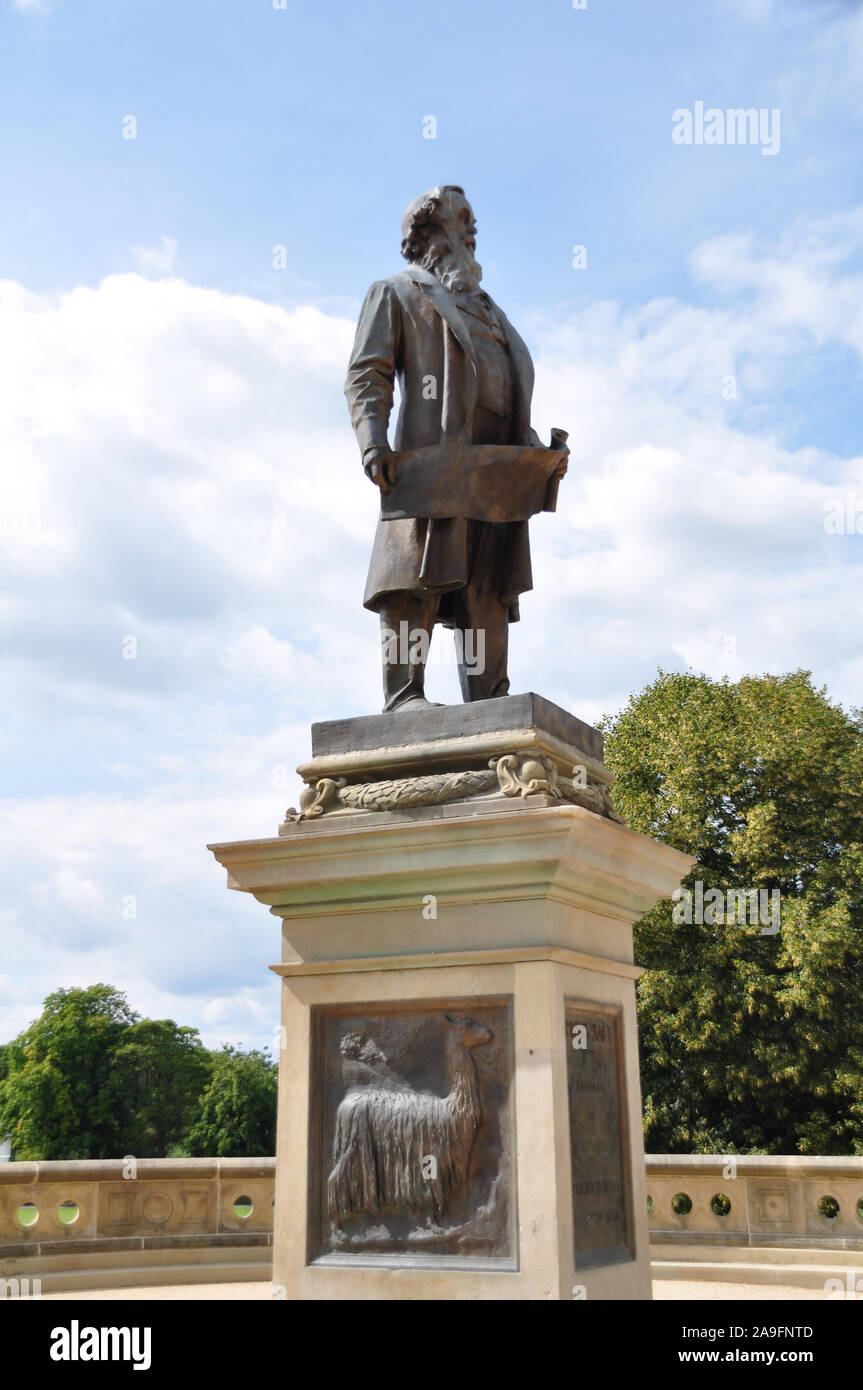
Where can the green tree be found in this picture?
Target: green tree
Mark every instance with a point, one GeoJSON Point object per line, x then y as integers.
{"type": "Point", "coordinates": [237, 1111]}
{"type": "Point", "coordinates": [750, 1042]}
{"type": "Point", "coordinates": [159, 1071]}
{"type": "Point", "coordinates": [56, 1100]}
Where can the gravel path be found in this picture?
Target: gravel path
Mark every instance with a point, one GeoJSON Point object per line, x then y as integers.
{"type": "Point", "coordinates": [663, 1289]}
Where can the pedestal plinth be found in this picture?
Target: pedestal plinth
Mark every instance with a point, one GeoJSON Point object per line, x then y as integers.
{"type": "Point", "coordinates": [459, 1101]}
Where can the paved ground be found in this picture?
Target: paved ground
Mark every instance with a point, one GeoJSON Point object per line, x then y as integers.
{"type": "Point", "coordinates": [695, 1291]}
{"type": "Point", "coordinates": [663, 1289]}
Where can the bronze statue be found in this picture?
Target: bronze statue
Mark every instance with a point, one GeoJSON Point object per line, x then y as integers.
{"type": "Point", "coordinates": [452, 543]}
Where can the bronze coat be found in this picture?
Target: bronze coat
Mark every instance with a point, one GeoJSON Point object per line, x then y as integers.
{"type": "Point", "coordinates": [410, 328]}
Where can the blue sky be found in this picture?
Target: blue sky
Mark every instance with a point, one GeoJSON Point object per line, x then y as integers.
{"type": "Point", "coordinates": [178, 464]}
{"type": "Point", "coordinates": [303, 125]}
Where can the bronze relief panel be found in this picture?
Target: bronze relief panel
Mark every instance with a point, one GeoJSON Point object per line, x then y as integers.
{"type": "Point", "coordinates": [601, 1181]}
{"type": "Point", "coordinates": [411, 1136]}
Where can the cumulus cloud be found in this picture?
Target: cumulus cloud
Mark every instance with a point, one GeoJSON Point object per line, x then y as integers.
{"type": "Point", "coordinates": [185, 530]}
{"type": "Point", "coordinates": [157, 260]}
{"type": "Point", "coordinates": [802, 286]}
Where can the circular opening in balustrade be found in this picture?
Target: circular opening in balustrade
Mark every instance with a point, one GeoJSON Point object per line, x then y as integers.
{"type": "Point", "coordinates": [681, 1204]}
{"type": "Point", "coordinates": [650, 1205]}
{"type": "Point", "coordinates": [27, 1214]}
{"type": "Point", "coordinates": [860, 1207]}
{"type": "Point", "coordinates": [829, 1207]}
{"type": "Point", "coordinates": [720, 1205]}
{"type": "Point", "coordinates": [243, 1208]}
{"type": "Point", "coordinates": [68, 1212]}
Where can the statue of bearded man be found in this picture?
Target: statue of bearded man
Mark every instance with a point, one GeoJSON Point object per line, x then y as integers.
{"type": "Point", "coordinates": [466, 378]}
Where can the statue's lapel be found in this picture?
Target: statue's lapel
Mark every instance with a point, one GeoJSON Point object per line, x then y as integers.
{"type": "Point", "coordinates": [445, 305]}
{"type": "Point", "coordinates": [523, 365]}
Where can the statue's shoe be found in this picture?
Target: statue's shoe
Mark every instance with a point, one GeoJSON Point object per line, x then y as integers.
{"type": "Point", "coordinates": [415, 702]}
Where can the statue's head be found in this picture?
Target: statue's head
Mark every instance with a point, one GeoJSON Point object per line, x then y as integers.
{"type": "Point", "coordinates": [439, 234]}
{"type": "Point", "coordinates": [362, 1048]}
{"type": "Point", "coordinates": [351, 1044]}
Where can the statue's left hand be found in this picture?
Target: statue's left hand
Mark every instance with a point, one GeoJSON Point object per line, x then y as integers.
{"type": "Point", "coordinates": [558, 441]}
{"type": "Point", "coordinates": [380, 467]}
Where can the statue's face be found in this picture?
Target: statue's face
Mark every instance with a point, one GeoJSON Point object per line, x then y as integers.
{"type": "Point", "coordinates": [451, 252]}
{"type": "Point", "coordinates": [458, 222]}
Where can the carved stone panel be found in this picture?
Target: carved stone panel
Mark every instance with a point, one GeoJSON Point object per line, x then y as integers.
{"type": "Point", "coordinates": [411, 1133]}
{"type": "Point", "coordinates": [601, 1182]}
{"type": "Point", "coordinates": [153, 1208]}
{"type": "Point", "coordinates": [773, 1204]}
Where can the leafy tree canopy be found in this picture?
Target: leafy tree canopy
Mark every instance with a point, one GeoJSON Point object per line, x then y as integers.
{"type": "Point", "coordinates": [750, 1042]}
{"type": "Point", "coordinates": [158, 1074]}
{"type": "Point", "coordinates": [56, 1100]}
{"type": "Point", "coordinates": [91, 1079]}
{"type": "Point", "coordinates": [237, 1115]}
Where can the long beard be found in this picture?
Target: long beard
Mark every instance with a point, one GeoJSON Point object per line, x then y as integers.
{"type": "Point", "coordinates": [456, 267]}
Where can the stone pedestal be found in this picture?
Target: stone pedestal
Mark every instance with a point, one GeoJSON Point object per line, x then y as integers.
{"type": "Point", "coordinates": [459, 1101]}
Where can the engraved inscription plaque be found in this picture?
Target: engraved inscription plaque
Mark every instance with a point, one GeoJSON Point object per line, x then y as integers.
{"type": "Point", "coordinates": [601, 1188]}
{"type": "Point", "coordinates": [411, 1130]}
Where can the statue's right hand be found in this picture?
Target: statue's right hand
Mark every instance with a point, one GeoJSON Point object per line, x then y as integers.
{"type": "Point", "coordinates": [380, 466]}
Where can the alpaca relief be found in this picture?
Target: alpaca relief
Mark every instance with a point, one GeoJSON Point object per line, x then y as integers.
{"type": "Point", "coordinates": [415, 1131]}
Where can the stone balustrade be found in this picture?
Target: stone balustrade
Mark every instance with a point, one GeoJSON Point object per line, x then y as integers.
{"type": "Point", "coordinates": [124, 1221]}
{"type": "Point", "coordinates": [196, 1220]}
{"type": "Point", "coordinates": [792, 1220]}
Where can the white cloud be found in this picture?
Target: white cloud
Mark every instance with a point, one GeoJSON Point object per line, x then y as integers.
{"type": "Point", "coordinates": [156, 260]}
{"type": "Point", "coordinates": [802, 285]}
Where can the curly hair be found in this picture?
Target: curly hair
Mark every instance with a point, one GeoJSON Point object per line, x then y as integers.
{"type": "Point", "coordinates": [350, 1044]}
{"type": "Point", "coordinates": [422, 219]}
